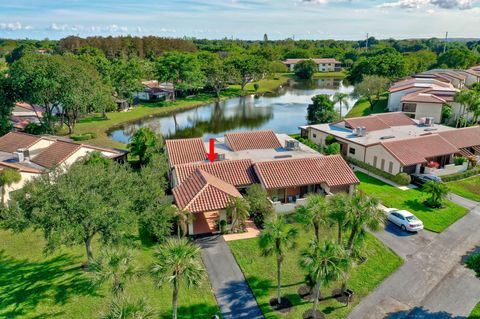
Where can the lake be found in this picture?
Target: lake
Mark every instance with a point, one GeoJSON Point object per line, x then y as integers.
{"type": "Point", "coordinates": [282, 112]}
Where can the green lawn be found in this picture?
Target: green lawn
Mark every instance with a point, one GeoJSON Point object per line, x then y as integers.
{"type": "Point", "coordinates": [362, 107]}
{"type": "Point", "coordinates": [34, 285]}
{"type": "Point", "coordinates": [468, 188]}
{"type": "Point", "coordinates": [100, 126]}
{"type": "Point", "coordinates": [475, 314]}
{"type": "Point", "coordinates": [260, 273]}
{"type": "Point", "coordinates": [435, 220]}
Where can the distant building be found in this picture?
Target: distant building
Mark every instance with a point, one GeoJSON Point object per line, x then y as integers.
{"type": "Point", "coordinates": [155, 91]}
{"type": "Point", "coordinates": [24, 114]}
{"type": "Point", "coordinates": [324, 65]}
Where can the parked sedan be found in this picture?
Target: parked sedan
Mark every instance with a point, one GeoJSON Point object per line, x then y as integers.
{"type": "Point", "coordinates": [405, 220]}
{"type": "Point", "coordinates": [421, 179]}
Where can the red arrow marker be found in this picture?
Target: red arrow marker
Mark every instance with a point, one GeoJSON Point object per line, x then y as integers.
{"type": "Point", "coordinates": [212, 155]}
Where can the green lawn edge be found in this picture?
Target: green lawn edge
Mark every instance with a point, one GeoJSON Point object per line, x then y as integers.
{"type": "Point", "coordinates": [362, 107]}
{"type": "Point", "coordinates": [475, 314]}
{"type": "Point", "coordinates": [468, 188]}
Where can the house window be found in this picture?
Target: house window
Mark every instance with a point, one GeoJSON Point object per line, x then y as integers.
{"type": "Point", "coordinates": [382, 165]}
{"type": "Point", "coordinates": [278, 195]}
{"type": "Point", "coordinates": [375, 161]}
{"type": "Point", "coordinates": [390, 167]}
{"type": "Point", "coordinates": [351, 151]}
{"type": "Point", "coordinates": [314, 135]}
{"type": "Point", "coordinates": [409, 107]}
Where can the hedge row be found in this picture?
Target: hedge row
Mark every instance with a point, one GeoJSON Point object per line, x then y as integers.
{"type": "Point", "coordinates": [458, 176]}
{"type": "Point", "coordinates": [401, 178]}
{"type": "Point", "coordinates": [83, 137]}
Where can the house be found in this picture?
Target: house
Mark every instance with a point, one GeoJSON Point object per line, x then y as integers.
{"type": "Point", "coordinates": [324, 65]}
{"type": "Point", "coordinates": [24, 114]}
{"type": "Point", "coordinates": [33, 155]}
{"type": "Point", "coordinates": [394, 142]}
{"type": "Point", "coordinates": [426, 94]}
{"type": "Point", "coordinates": [155, 91]}
{"type": "Point", "coordinates": [285, 168]}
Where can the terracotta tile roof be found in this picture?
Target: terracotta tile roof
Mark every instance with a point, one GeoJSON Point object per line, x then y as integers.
{"type": "Point", "coordinates": [184, 151]}
{"type": "Point", "coordinates": [412, 83]}
{"type": "Point", "coordinates": [462, 137]}
{"type": "Point", "coordinates": [55, 154]}
{"type": "Point", "coordinates": [423, 97]}
{"type": "Point", "coordinates": [376, 122]}
{"type": "Point", "coordinates": [38, 109]}
{"type": "Point", "coordinates": [203, 192]}
{"type": "Point", "coordinates": [317, 61]}
{"type": "Point", "coordinates": [331, 170]}
{"type": "Point", "coordinates": [20, 167]}
{"type": "Point", "coordinates": [252, 140]}
{"type": "Point", "coordinates": [13, 141]}
{"type": "Point", "coordinates": [235, 172]}
{"type": "Point", "coordinates": [417, 150]}
{"type": "Point", "coordinates": [395, 119]}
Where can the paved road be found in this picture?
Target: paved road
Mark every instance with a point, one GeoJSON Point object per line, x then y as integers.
{"type": "Point", "coordinates": [233, 294]}
{"type": "Point", "coordinates": [432, 283]}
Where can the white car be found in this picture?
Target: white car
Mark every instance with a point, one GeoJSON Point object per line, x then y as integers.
{"type": "Point", "coordinates": [405, 220]}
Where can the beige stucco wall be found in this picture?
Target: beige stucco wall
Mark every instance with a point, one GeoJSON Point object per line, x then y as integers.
{"type": "Point", "coordinates": [394, 99]}
{"type": "Point", "coordinates": [457, 110]}
{"type": "Point", "coordinates": [429, 110]}
{"type": "Point", "coordinates": [382, 153]}
{"type": "Point", "coordinates": [25, 178]}
{"type": "Point", "coordinates": [318, 137]}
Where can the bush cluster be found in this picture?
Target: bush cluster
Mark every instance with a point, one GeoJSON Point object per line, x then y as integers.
{"type": "Point", "coordinates": [83, 137]}
{"type": "Point", "coordinates": [462, 175]}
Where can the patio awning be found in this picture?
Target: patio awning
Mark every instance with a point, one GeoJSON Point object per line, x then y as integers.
{"type": "Point", "coordinates": [465, 152]}
{"type": "Point", "coordinates": [476, 148]}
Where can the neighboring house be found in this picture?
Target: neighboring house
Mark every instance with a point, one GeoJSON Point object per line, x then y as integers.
{"type": "Point", "coordinates": [24, 114]}
{"type": "Point", "coordinates": [395, 143]}
{"type": "Point", "coordinates": [155, 91]}
{"type": "Point", "coordinates": [33, 155]}
{"type": "Point", "coordinates": [286, 169]}
{"type": "Point", "coordinates": [324, 65]}
{"type": "Point", "coordinates": [425, 94]}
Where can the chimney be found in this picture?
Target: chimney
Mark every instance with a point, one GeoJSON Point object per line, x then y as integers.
{"type": "Point", "coordinates": [22, 155]}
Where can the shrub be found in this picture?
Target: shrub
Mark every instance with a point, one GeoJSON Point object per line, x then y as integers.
{"type": "Point", "coordinates": [371, 169]}
{"type": "Point", "coordinates": [332, 149]}
{"type": "Point", "coordinates": [462, 175]}
{"type": "Point", "coordinates": [403, 179]}
{"type": "Point", "coordinates": [83, 137]}
{"type": "Point", "coordinates": [223, 226]}
{"type": "Point", "coordinates": [459, 160]}
{"type": "Point", "coordinates": [473, 262]}
{"type": "Point", "coordinates": [309, 143]}
{"type": "Point", "coordinates": [330, 139]}
{"type": "Point", "coordinates": [256, 86]}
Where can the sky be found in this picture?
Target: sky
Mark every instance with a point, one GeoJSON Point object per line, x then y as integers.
{"type": "Point", "coordinates": [242, 19]}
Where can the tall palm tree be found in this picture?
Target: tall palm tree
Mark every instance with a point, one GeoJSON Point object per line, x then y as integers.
{"type": "Point", "coordinates": [438, 192]}
{"type": "Point", "coordinates": [314, 213]}
{"type": "Point", "coordinates": [277, 238]}
{"type": "Point", "coordinates": [238, 210]}
{"type": "Point", "coordinates": [325, 262]}
{"type": "Point", "coordinates": [469, 101]}
{"type": "Point", "coordinates": [339, 212]}
{"type": "Point", "coordinates": [341, 99]}
{"type": "Point", "coordinates": [7, 178]}
{"type": "Point", "coordinates": [115, 264]}
{"type": "Point", "coordinates": [125, 308]}
{"type": "Point", "coordinates": [177, 261]}
{"type": "Point", "coordinates": [364, 212]}
{"type": "Point", "coordinates": [182, 218]}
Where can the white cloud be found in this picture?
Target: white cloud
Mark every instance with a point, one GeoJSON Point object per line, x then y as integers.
{"type": "Point", "coordinates": [417, 4]}
{"type": "Point", "coordinates": [14, 26]}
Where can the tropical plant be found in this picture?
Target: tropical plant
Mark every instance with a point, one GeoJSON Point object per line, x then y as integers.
{"type": "Point", "coordinates": [238, 210]}
{"type": "Point", "coordinates": [473, 262]}
{"type": "Point", "coordinates": [177, 261]}
{"type": "Point", "coordinates": [332, 149]}
{"type": "Point", "coordinates": [339, 210]}
{"type": "Point", "coordinates": [438, 192]}
{"type": "Point", "coordinates": [364, 212]}
{"type": "Point", "coordinates": [305, 69]}
{"type": "Point", "coordinates": [403, 179]}
{"type": "Point", "coordinates": [182, 218]}
{"type": "Point", "coordinates": [123, 307]}
{"type": "Point", "coordinates": [144, 143]}
{"type": "Point", "coordinates": [325, 262]}
{"type": "Point", "coordinates": [261, 208]}
{"type": "Point", "coordinates": [321, 110]}
{"type": "Point", "coordinates": [341, 99]}
{"type": "Point", "coordinates": [8, 177]}
{"type": "Point", "coordinates": [314, 214]}
{"type": "Point", "coordinates": [114, 265]}
{"type": "Point", "coordinates": [277, 238]}
{"type": "Point", "coordinates": [470, 103]}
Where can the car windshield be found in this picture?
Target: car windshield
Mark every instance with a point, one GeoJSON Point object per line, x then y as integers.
{"type": "Point", "coordinates": [411, 218]}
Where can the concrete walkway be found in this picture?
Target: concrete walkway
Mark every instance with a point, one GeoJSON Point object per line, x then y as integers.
{"type": "Point", "coordinates": [231, 290]}
{"type": "Point", "coordinates": [433, 282]}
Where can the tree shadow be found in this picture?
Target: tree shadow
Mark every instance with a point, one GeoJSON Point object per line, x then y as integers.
{"type": "Point", "coordinates": [193, 312]}
{"type": "Point", "coordinates": [421, 313]}
{"type": "Point", "coordinates": [25, 284]}
{"type": "Point", "coordinates": [417, 205]}
{"type": "Point", "coordinates": [260, 287]}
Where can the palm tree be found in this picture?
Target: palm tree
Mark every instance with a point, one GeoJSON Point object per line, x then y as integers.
{"type": "Point", "coordinates": [314, 213]}
{"type": "Point", "coordinates": [238, 210]}
{"type": "Point", "coordinates": [339, 212]}
{"type": "Point", "coordinates": [182, 218]}
{"type": "Point", "coordinates": [124, 308]}
{"type": "Point", "coordinates": [177, 261]}
{"type": "Point", "coordinates": [340, 98]}
{"type": "Point", "coordinates": [364, 212]}
{"type": "Point", "coordinates": [114, 264]}
{"type": "Point", "coordinates": [470, 102]}
{"type": "Point", "coordinates": [438, 192]}
{"type": "Point", "coordinates": [7, 178]}
{"type": "Point", "coordinates": [277, 238]}
{"type": "Point", "coordinates": [325, 262]}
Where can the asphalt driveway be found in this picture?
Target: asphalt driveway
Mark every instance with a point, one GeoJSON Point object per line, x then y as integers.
{"type": "Point", "coordinates": [234, 296]}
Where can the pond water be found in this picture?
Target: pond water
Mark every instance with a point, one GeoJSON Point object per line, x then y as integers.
{"type": "Point", "coordinates": [282, 112]}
